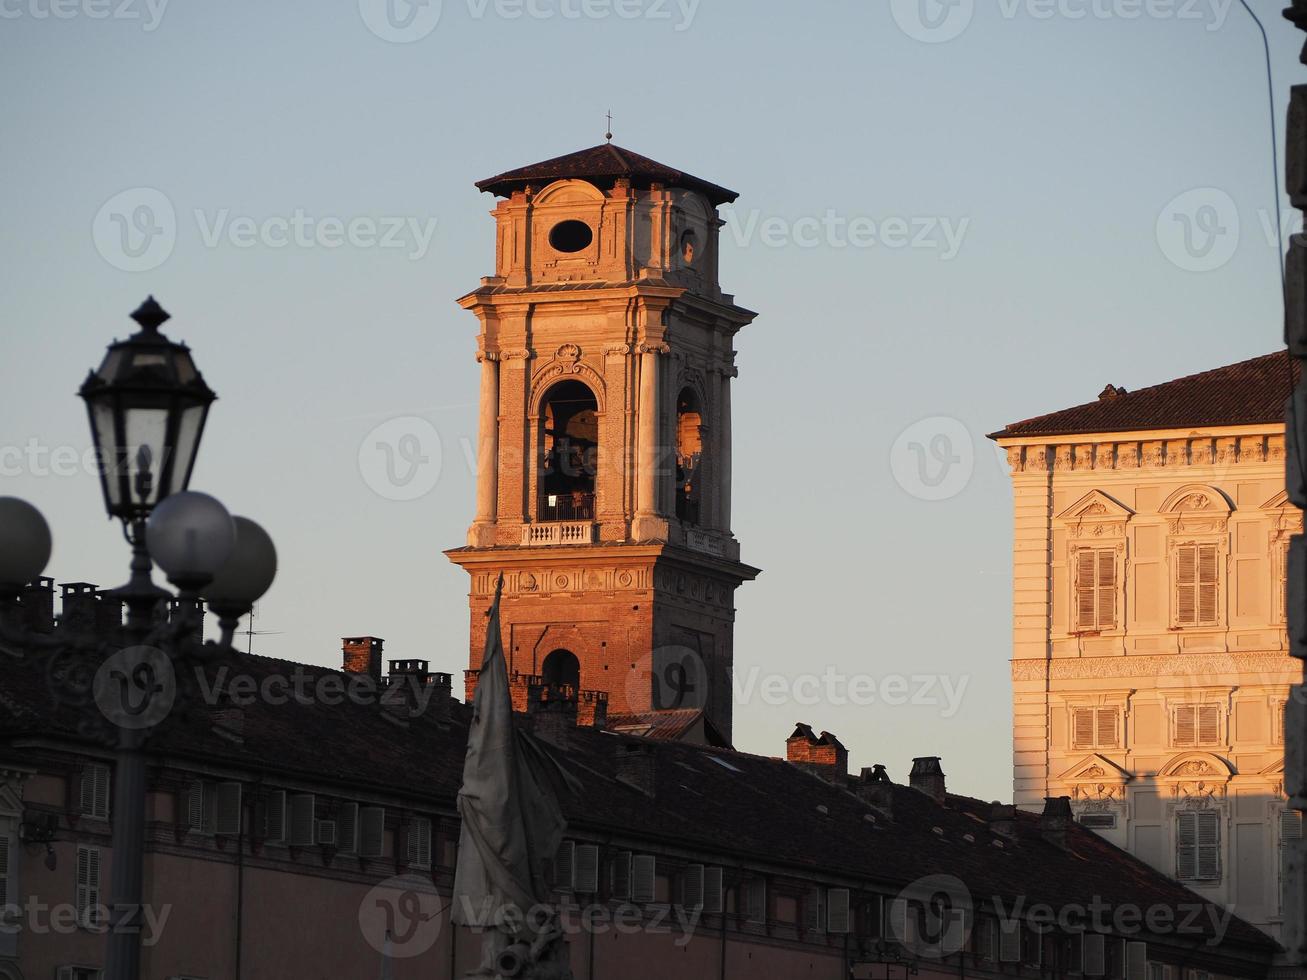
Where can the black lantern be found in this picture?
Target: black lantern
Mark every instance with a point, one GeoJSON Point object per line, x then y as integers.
{"type": "Point", "coordinates": [147, 404]}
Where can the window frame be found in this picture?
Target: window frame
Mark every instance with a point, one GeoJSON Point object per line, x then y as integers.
{"type": "Point", "coordinates": [1217, 867]}
{"type": "Point", "coordinates": [1111, 555]}
{"type": "Point", "coordinates": [1219, 547]}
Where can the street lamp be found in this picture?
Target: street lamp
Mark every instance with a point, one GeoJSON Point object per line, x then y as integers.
{"type": "Point", "coordinates": [147, 404]}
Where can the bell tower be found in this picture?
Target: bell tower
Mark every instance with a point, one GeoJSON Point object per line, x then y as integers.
{"type": "Point", "coordinates": [604, 457]}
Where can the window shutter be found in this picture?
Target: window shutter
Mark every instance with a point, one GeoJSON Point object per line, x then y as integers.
{"type": "Point", "coordinates": [373, 838]}
{"type": "Point", "coordinates": [95, 791]}
{"type": "Point", "coordinates": [88, 886]}
{"type": "Point", "coordinates": [1209, 724]}
{"type": "Point", "coordinates": [838, 919]}
{"type": "Point", "coordinates": [4, 870]}
{"type": "Point", "coordinates": [982, 942]}
{"type": "Point", "coordinates": [1009, 941]}
{"type": "Point", "coordinates": [1209, 845]}
{"type": "Point", "coordinates": [564, 866]}
{"type": "Point", "coordinates": [812, 910]}
{"type": "Point", "coordinates": [692, 887]}
{"type": "Point", "coordinates": [755, 900]}
{"type": "Point", "coordinates": [1084, 728]}
{"type": "Point", "coordinates": [417, 843]}
{"type": "Point", "coordinates": [712, 890]}
{"type": "Point", "coordinates": [1186, 585]}
{"type": "Point", "coordinates": [1107, 735]}
{"type": "Point", "coordinates": [301, 820]}
{"type": "Point", "coordinates": [347, 828]}
{"type": "Point", "coordinates": [1075, 952]}
{"type": "Point", "coordinates": [1290, 825]}
{"type": "Point", "coordinates": [275, 817]}
{"type": "Point", "coordinates": [1095, 950]}
{"type": "Point", "coordinates": [195, 806]}
{"type": "Point", "coordinates": [621, 876]}
{"type": "Point", "coordinates": [1086, 576]}
{"type": "Point", "coordinates": [1207, 583]}
{"type": "Point", "coordinates": [1106, 589]}
{"type": "Point", "coordinates": [1185, 727]}
{"type": "Point", "coordinates": [642, 879]}
{"type": "Point", "coordinates": [1136, 961]}
{"type": "Point", "coordinates": [1186, 846]}
{"type": "Point", "coordinates": [1032, 945]}
{"type": "Point", "coordinates": [587, 869]}
{"type": "Point", "coordinates": [227, 819]}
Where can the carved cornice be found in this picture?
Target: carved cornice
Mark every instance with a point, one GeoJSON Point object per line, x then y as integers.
{"type": "Point", "coordinates": [653, 348]}
{"type": "Point", "coordinates": [517, 354]}
{"type": "Point", "coordinates": [1160, 665]}
{"type": "Point", "coordinates": [1147, 454]}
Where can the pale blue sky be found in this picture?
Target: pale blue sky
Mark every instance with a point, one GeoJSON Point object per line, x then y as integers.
{"type": "Point", "coordinates": [1049, 145]}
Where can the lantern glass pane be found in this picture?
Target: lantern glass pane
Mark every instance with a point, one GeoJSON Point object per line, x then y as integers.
{"type": "Point", "coordinates": [188, 436]}
{"type": "Point", "coordinates": [146, 448]}
{"type": "Point", "coordinates": [111, 454]}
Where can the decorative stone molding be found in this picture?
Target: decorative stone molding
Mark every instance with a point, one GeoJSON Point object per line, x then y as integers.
{"type": "Point", "coordinates": [1133, 454]}
{"type": "Point", "coordinates": [483, 355]}
{"type": "Point", "coordinates": [1268, 665]}
{"type": "Point", "coordinates": [653, 348]}
{"type": "Point", "coordinates": [617, 350]}
{"type": "Point", "coordinates": [517, 354]}
{"type": "Point", "coordinates": [1197, 509]}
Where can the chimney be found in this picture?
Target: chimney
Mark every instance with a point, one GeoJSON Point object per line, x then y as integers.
{"type": "Point", "coordinates": [470, 685]}
{"type": "Point", "coordinates": [875, 787]}
{"type": "Point", "coordinates": [592, 709]}
{"type": "Point", "coordinates": [399, 689]}
{"type": "Point", "coordinates": [1055, 821]}
{"type": "Point", "coordinates": [37, 603]}
{"type": "Point", "coordinates": [193, 610]}
{"type": "Point", "coordinates": [1003, 819]}
{"type": "Point", "coordinates": [526, 691]}
{"type": "Point", "coordinates": [439, 694]}
{"type": "Point", "coordinates": [927, 777]}
{"type": "Point", "coordinates": [78, 601]}
{"type": "Point", "coordinates": [362, 655]}
{"type": "Point", "coordinates": [553, 713]}
{"type": "Point", "coordinates": [638, 766]}
{"type": "Point", "coordinates": [823, 755]}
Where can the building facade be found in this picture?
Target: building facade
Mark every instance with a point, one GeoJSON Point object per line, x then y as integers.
{"type": "Point", "coordinates": [604, 464]}
{"type": "Point", "coordinates": [1150, 662]}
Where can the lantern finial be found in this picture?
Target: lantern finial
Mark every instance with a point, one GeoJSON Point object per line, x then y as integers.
{"type": "Point", "coordinates": [150, 315]}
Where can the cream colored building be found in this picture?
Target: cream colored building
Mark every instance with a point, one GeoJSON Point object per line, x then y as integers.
{"type": "Point", "coordinates": [1150, 664]}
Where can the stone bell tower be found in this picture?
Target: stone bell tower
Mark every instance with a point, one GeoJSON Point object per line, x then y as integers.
{"type": "Point", "coordinates": [604, 463]}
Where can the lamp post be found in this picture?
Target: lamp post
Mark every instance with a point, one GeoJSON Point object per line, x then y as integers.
{"type": "Point", "coordinates": [147, 404]}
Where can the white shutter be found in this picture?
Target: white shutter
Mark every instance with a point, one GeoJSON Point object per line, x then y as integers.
{"type": "Point", "coordinates": [302, 823]}
{"type": "Point", "coordinates": [692, 886]}
{"type": "Point", "coordinates": [275, 817]}
{"type": "Point", "coordinates": [642, 879]}
{"type": "Point", "coordinates": [1086, 618]}
{"type": "Point", "coordinates": [1186, 846]}
{"type": "Point", "coordinates": [838, 919]}
{"type": "Point", "coordinates": [712, 890]}
{"type": "Point", "coordinates": [586, 876]}
{"type": "Point", "coordinates": [1106, 611]}
{"type": "Point", "coordinates": [1083, 735]}
{"type": "Point", "coordinates": [88, 886]}
{"type": "Point", "coordinates": [1209, 845]}
{"type": "Point", "coordinates": [565, 866]}
{"type": "Point", "coordinates": [195, 805]}
{"type": "Point", "coordinates": [1009, 941]}
{"type": "Point", "coordinates": [1186, 585]}
{"type": "Point", "coordinates": [347, 828]}
{"type": "Point", "coordinates": [424, 841]}
{"type": "Point", "coordinates": [1186, 727]}
{"type": "Point", "coordinates": [1207, 584]}
{"type": "Point", "coordinates": [1095, 953]}
{"type": "Point", "coordinates": [372, 841]}
{"type": "Point", "coordinates": [621, 876]}
{"type": "Point", "coordinates": [227, 818]}
{"type": "Point", "coordinates": [95, 790]}
{"type": "Point", "coordinates": [1209, 724]}
{"type": "Point", "coordinates": [1136, 961]}
{"type": "Point", "coordinates": [1107, 736]}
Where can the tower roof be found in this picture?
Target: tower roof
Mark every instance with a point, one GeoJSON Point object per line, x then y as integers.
{"type": "Point", "coordinates": [1248, 393]}
{"type": "Point", "coordinates": [604, 164]}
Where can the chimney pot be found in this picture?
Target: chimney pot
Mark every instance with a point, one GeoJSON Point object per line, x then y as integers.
{"type": "Point", "coordinates": [928, 777]}
{"type": "Point", "coordinates": [824, 755]}
{"type": "Point", "coordinates": [362, 655]}
{"type": "Point", "coordinates": [1055, 821]}
{"type": "Point", "coordinates": [875, 787]}
{"type": "Point", "coordinates": [1003, 819]}
{"type": "Point", "coordinates": [553, 712]}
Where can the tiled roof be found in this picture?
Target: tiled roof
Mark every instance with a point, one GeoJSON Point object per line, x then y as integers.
{"type": "Point", "coordinates": [674, 724]}
{"type": "Point", "coordinates": [732, 805]}
{"type": "Point", "coordinates": [1251, 392]}
{"type": "Point", "coordinates": [603, 164]}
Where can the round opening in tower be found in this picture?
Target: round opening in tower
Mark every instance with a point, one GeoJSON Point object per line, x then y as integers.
{"type": "Point", "coordinates": [570, 236]}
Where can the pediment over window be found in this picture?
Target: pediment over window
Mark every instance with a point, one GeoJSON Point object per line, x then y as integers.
{"type": "Point", "coordinates": [1197, 765]}
{"type": "Point", "coordinates": [1196, 508]}
{"type": "Point", "coordinates": [1096, 768]}
{"type": "Point", "coordinates": [1096, 505]}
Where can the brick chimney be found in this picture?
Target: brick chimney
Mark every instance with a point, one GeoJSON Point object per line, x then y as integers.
{"type": "Point", "coordinates": [1003, 819]}
{"type": "Point", "coordinates": [77, 606]}
{"type": "Point", "coordinates": [875, 787]}
{"type": "Point", "coordinates": [637, 765]}
{"type": "Point", "coordinates": [37, 602]}
{"type": "Point", "coordinates": [553, 712]}
{"type": "Point", "coordinates": [927, 777]}
{"type": "Point", "coordinates": [176, 608]}
{"type": "Point", "coordinates": [439, 694]}
{"type": "Point", "coordinates": [399, 694]}
{"type": "Point", "coordinates": [592, 709]}
{"type": "Point", "coordinates": [824, 755]}
{"type": "Point", "coordinates": [1055, 821]}
{"type": "Point", "coordinates": [362, 655]}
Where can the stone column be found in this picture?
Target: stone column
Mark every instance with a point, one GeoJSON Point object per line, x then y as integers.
{"type": "Point", "coordinates": [724, 440]}
{"type": "Point", "coordinates": [482, 533]}
{"type": "Point", "coordinates": [647, 523]}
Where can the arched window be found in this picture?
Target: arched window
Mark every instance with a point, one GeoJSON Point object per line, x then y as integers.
{"type": "Point", "coordinates": [561, 669]}
{"type": "Point", "coordinates": [689, 456]}
{"type": "Point", "coordinates": [569, 453]}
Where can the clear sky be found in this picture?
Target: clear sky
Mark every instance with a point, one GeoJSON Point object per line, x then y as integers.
{"type": "Point", "coordinates": [961, 212]}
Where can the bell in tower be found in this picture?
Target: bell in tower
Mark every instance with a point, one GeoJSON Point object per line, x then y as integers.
{"type": "Point", "coordinates": [604, 459]}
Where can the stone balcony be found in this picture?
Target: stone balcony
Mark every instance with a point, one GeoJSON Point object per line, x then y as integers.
{"type": "Point", "coordinates": [558, 533]}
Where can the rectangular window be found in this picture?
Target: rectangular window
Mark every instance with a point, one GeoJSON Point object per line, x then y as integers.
{"type": "Point", "coordinates": [347, 828]}
{"type": "Point", "coordinates": [586, 876]}
{"type": "Point", "coordinates": [692, 886]}
{"type": "Point", "coordinates": [1198, 846]}
{"type": "Point", "coordinates": [88, 886]}
{"type": "Point", "coordinates": [274, 817]}
{"type": "Point", "coordinates": [1290, 831]}
{"type": "Point", "coordinates": [372, 836]}
{"type": "Point", "coordinates": [1094, 728]}
{"type": "Point", "coordinates": [419, 846]}
{"type": "Point", "coordinates": [620, 880]}
{"type": "Point", "coordinates": [1196, 585]}
{"type": "Point", "coordinates": [1095, 589]}
{"type": "Point", "coordinates": [643, 879]}
{"type": "Point", "coordinates": [712, 890]}
{"type": "Point", "coordinates": [755, 900]}
{"type": "Point", "coordinates": [95, 791]}
{"type": "Point", "coordinates": [1197, 724]}
{"type": "Point", "coordinates": [227, 809]}
{"type": "Point", "coordinates": [839, 919]}
{"type": "Point", "coordinates": [302, 820]}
